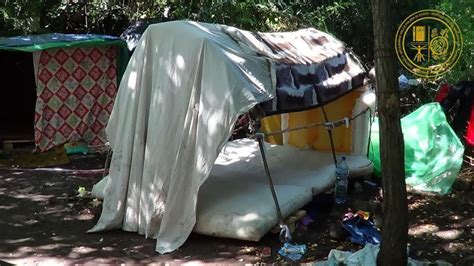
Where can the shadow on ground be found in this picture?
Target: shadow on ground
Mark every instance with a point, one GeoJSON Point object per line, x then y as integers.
{"type": "Point", "coordinates": [42, 220]}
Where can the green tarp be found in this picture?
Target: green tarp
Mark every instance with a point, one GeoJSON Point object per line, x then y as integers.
{"type": "Point", "coordinates": [433, 152]}
{"type": "Point", "coordinates": [32, 43]}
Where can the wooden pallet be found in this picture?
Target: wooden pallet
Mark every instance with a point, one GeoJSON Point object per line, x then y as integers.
{"type": "Point", "coordinates": [9, 145]}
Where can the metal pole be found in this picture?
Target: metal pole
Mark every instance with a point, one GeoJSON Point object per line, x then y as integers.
{"type": "Point", "coordinates": [259, 137]}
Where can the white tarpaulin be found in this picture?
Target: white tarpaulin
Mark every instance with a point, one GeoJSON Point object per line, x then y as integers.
{"type": "Point", "coordinates": [182, 91]}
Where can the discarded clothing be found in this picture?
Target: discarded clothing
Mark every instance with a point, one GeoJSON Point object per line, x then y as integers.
{"type": "Point", "coordinates": [463, 93]}
{"type": "Point", "coordinates": [442, 92]}
{"type": "Point", "coordinates": [367, 257]}
{"type": "Point", "coordinates": [293, 252]}
{"type": "Point", "coordinates": [361, 230]}
{"type": "Point", "coordinates": [470, 128]}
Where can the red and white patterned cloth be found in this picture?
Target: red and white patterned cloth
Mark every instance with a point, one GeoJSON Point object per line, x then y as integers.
{"type": "Point", "coordinates": [76, 88]}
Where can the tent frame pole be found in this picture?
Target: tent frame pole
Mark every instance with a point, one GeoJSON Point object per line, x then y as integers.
{"type": "Point", "coordinates": [261, 144]}
{"type": "Point", "coordinates": [331, 139]}
{"type": "Point", "coordinates": [285, 234]}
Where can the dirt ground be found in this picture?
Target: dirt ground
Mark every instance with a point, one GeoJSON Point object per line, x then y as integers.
{"type": "Point", "coordinates": [43, 221]}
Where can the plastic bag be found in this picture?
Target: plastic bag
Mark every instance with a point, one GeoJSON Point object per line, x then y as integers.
{"type": "Point", "coordinates": [433, 152]}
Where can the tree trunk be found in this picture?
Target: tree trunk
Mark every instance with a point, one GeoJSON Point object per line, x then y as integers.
{"type": "Point", "coordinates": [393, 250]}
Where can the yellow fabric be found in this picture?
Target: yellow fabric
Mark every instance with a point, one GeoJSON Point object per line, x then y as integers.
{"type": "Point", "coordinates": [316, 137]}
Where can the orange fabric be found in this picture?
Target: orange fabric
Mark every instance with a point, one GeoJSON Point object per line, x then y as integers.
{"type": "Point", "coordinates": [316, 137]}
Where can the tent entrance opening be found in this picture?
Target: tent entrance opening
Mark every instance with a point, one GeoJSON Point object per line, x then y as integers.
{"type": "Point", "coordinates": [17, 104]}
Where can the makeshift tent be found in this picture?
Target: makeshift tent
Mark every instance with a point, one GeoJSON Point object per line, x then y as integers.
{"type": "Point", "coordinates": [183, 90]}
{"type": "Point", "coordinates": [60, 86]}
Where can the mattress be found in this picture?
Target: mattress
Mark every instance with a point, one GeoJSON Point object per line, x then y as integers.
{"type": "Point", "coordinates": [244, 210]}
{"type": "Point", "coordinates": [235, 201]}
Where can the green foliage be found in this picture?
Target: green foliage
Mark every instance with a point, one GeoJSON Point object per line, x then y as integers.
{"type": "Point", "coordinates": [112, 16]}
{"type": "Point", "coordinates": [18, 16]}
{"type": "Point", "coordinates": [348, 20]}
{"type": "Point", "coordinates": [461, 12]}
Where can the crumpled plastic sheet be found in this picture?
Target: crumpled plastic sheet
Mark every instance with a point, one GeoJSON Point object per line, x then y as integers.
{"type": "Point", "coordinates": [433, 151]}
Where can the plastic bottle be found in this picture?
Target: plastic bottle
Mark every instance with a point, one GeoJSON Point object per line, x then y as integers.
{"type": "Point", "coordinates": [342, 175]}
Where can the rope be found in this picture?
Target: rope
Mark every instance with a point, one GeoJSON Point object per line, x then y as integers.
{"type": "Point", "coordinates": [371, 120]}
{"type": "Point", "coordinates": [331, 140]}
{"type": "Point", "coordinates": [328, 125]}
